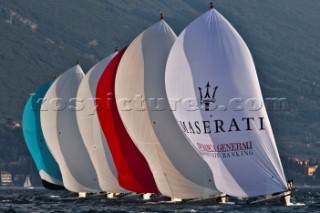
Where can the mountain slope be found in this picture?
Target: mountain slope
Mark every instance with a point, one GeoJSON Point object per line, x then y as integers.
{"type": "Point", "coordinates": [41, 39]}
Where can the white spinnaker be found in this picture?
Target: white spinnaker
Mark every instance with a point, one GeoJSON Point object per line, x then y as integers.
{"type": "Point", "coordinates": [210, 53]}
{"type": "Point", "coordinates": [91, 131]}
{"type": "Point", "coordinates": [60, 129]}
{"type": "Point", "coordinates": [176, 167]}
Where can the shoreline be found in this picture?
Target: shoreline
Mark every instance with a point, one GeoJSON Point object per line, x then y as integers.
{"type": "Point", "coordinates": [306, 187]}
{"type": "Point", "coordinates": [20, 187]}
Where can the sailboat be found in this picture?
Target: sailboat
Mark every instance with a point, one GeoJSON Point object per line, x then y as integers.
{"type": "Point", "coordinates": [47, 166]}
{"type": "Point", "coordinates": [61, 132]}
{"type": "Point", "coordinates": [133, 171]}
{"type": "Point", "coordinates": [211, 71]}
{"type": "Point", "coordinates": [91, 132]}
{"type": "Point", "coordinates": [179, 172]}
{"type": "Point", "coordinates": [27, 183]}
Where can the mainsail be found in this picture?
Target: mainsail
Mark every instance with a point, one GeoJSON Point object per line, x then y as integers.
{"type": "Point", "coordinates": [91, 131]}
{"type": "Point", "coordinates": [211, 71]}
{"type": "Point", "coordinates": [47, 166]}
{"type": "Point", "coordinates": [178, 170]}
{"type": "Point", "coordinates": [27, 183]}
{"type": "Point", "coordinates": [133, 171]}
{"type": "Point", "coordinates": [60, 129]}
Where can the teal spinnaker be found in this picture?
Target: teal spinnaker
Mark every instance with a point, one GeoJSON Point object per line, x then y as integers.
{"type": "Point", "coordinates": [46, 164]}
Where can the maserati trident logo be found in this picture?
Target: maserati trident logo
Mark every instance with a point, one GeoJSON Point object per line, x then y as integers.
{"type": "Point", "coordinates": [207, 99]}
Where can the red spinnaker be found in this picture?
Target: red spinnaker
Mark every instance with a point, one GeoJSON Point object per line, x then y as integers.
{"type": "Point", "coordinates": [134, 173]}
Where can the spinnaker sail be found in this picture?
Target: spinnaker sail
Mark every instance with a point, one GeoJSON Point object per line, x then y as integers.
{"type": "Point", "coordinates": [133, 171]}
{"type": "Point", "coordinates": [47, 166]}
{"type": "Point", "coordinates": [178, 170]}
{"type": "Point", "coordinates": [210, 71]}
{"type": "Point", "coordinates": [60, 129]}
{"type": "Point", "coordinates": [91, 131]}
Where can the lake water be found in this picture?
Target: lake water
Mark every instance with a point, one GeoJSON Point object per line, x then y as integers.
{"type": "Point", "coordinates": [41, 200]}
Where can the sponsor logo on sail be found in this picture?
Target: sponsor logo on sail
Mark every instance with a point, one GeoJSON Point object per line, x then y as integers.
{"type": "Point", "coordinates": [208, 98]}
{"type": "Point", "coordinates": [226, 150]}
{"type": "Point", "coordinates": [227, 125]}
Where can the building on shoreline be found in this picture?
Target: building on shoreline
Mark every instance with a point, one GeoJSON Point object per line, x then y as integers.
{"type": "Point", "coordinates": [6, 179]}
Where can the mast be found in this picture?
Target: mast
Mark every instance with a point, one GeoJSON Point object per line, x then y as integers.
{"type": "Point", "coordinates": [211, 5]}
{"type": "Point", "coordinates": [161, 16]}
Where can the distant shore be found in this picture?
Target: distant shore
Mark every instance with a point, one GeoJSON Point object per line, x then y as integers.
{"type": "Point", "coordinates": [41, 187]}
{"type": "Point", "coordinates": [20, 187]}
{"type": "Point", "coordinates": [306, 187]}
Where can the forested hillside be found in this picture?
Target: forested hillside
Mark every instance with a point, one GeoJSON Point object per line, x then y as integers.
{"type": "Point", "coordinates": [41, 39]}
